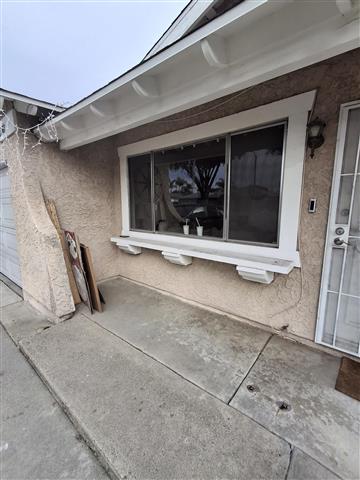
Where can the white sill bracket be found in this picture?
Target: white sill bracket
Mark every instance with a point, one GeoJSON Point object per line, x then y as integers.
{"type": "Point", "coordinates": [255, 268]}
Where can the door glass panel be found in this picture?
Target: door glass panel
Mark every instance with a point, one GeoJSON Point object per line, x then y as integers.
{"type": "Point", "coordinates": [355, 215]}
{"type": "Point", "coordinates": [343, 208]}
{"type": "Point", "coordinates": [335, 269]}
{"type": "Point", "coordinates": [256, 163]}
{"type": "Point", "coordinates": [140, 192]}
{"type": "Point", "coordinates": [351, 283]}
{"type": "Point", "coordinates": [348, 325]}
{"type": "Point", "coordinates": [330, 315]}
{"type": "Point", "coordinates": [351, 141]}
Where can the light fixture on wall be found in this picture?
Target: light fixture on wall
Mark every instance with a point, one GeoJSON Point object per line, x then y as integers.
{"type": "Point", "coordinates": [315, 137]}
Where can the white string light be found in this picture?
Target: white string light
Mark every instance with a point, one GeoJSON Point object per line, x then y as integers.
{"type": "Point", "coordinates": [46, 122]}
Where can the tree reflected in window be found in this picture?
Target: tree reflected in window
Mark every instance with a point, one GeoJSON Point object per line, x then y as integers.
{"type": "Point", "coordinates": [189, 188]}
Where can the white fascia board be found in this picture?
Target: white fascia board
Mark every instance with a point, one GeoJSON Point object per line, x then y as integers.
{"type": "Point", "coordinates": [29, 101]}
{"type": "Point", "coordinates": [182, 24]}
{"type": "Point", "coordinates": [248, 8]}
{"type": "Point", "coordinates": [318, 44]}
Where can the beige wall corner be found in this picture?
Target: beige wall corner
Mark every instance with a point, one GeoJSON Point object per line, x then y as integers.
{"type": "Point", "coordinates": [44, 275]}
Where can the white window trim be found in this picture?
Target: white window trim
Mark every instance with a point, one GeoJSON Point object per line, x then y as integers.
{"type": "Point", "coordinates": [281, 259]}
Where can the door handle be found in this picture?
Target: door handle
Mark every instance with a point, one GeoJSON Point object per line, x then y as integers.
{"type": "Point", "coordinates": [339, 242]}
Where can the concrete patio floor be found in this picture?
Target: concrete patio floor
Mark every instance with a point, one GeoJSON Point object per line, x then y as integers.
{"type": "Point", "coordinates": [163, 389]}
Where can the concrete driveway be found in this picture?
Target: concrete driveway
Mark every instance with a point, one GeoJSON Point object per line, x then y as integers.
{"type": "Point", "coordinates": [37, 439]}
{"type": "Point", "coordinates": [162, 389]}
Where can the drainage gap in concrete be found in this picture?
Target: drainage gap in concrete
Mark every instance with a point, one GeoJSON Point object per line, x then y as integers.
{"type": "Point", "coordinates": [284, 406]}
{"type": "Point", "coordinates": [251, 388]}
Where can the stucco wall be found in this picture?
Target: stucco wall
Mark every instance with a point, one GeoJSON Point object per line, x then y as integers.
{"type": "Point", "coordinates": [81, 183]}
{"type": "Point", "coordinates": [84, 183]}
{"type": "Point", "coordinates": [45, 281]}
{"type": "Point", "coordinates": [291, 300]}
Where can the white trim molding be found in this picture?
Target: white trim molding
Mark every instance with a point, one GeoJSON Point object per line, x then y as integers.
{"type": "Point", "coordinates": [253, 262]}
{"type": "Point", "coordinates": [25, 104]}
{"type": "Point", "coordinates": [191, 14]}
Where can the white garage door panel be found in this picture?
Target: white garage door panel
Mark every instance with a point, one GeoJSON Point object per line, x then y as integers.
{"type": "Point", "coordinates": [9, 259]}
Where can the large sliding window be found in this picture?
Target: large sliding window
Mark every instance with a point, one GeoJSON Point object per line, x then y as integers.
{"type": "Point", "coordinates": [227, 187]}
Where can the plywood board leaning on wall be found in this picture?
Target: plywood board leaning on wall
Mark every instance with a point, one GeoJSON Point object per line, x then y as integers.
{"type": "Point", "coordinates": [90, 276]}
{"type": "Point", "coordinates": [51, 208]}
{"type": "Point", "coordinates": [78, 268]}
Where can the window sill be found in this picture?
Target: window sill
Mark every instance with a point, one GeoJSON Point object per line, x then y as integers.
{"type": "Point", "coordinates": [257, 268]}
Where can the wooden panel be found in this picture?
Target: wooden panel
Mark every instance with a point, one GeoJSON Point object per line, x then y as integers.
{"type": "Point", "coordinates": [90, 275]}
{"type": "Point", "coordinates": [51, 208]}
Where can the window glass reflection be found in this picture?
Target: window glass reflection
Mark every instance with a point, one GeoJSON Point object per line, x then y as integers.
{"type": "Point", "coordinates": [189, 189]}
{"type": "Point", "coordinates": [256, 162]}
{"type": "Point", "coordinates": [140, 192]}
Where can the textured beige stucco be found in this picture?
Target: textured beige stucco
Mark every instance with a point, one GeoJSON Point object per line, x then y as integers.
{"type": "Point", "coordinates": [81, 183]}
{"type": "Point", "coordinates": [45, 281]}
{"type": "Point", "coordinates": [85, 185]}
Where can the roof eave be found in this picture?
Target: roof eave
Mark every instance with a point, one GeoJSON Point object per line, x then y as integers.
{"type": "Point", "coordinates": [217, 62]}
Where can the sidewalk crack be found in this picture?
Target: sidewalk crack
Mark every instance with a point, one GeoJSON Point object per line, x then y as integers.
{"type": "Point", "coordinates": [292, 448]}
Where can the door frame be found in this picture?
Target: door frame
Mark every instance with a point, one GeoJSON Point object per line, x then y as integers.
{"type": "Point", "coordinates": [335, 190]}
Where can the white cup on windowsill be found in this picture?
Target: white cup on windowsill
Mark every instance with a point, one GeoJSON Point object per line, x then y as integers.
{"type": "Point", "coordinates": [199, 230]}
{"type": "Point", "coordinates": [186, 229]}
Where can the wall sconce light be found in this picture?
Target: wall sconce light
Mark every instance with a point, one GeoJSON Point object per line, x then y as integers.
{"type": "Point", "coordinates": [315, 136]}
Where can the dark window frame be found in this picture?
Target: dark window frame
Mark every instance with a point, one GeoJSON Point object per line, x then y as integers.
{"type": "Point", "coordinates": [227, 167]}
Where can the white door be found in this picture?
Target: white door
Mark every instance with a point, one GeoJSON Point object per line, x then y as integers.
{"type": "Point", "coordinates": [9, 259]}
{"type": "Point", "coordinates": [339, 310]}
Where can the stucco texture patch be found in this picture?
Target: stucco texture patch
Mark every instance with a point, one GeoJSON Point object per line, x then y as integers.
{"type": "Point", "coordinates": [44, 275]}
{"type": "Point", "coordinates": [81, 183]}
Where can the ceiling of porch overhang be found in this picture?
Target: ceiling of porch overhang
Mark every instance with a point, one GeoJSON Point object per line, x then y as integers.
{"type": "Point", "coordinates": [253, 42]}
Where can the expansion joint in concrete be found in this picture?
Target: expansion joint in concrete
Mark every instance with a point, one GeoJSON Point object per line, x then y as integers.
{"type": "Point", "coordinates": [249, 369]}
{"type": "Point", "coordinates": [192, 383]}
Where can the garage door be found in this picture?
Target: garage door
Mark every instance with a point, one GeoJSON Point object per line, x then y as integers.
{"type": "Point", "coordinates": [9, 260]}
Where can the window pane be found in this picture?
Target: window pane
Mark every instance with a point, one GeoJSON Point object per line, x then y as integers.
{"type": "Point", "coordinates": [140, 192]}
{"type": "Point", "coordinates": [351, 284]}
{"type": "Point", "coordinates": [355, 214]}
{"type": "Point", "coordinates": [330, 316]}
{"type": "Point", "coordinates": [351, 141]}
{"type": "Point", "coordinates": [345, 192]}
{"type": "Point", "coordinates": [348, 330]}
{"type": "Point", "coordinates": [256, 162]}
{"type": "Point", "coordinates": [336, 263]}
{"type": "Point", "coordinates": [189, 188]}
